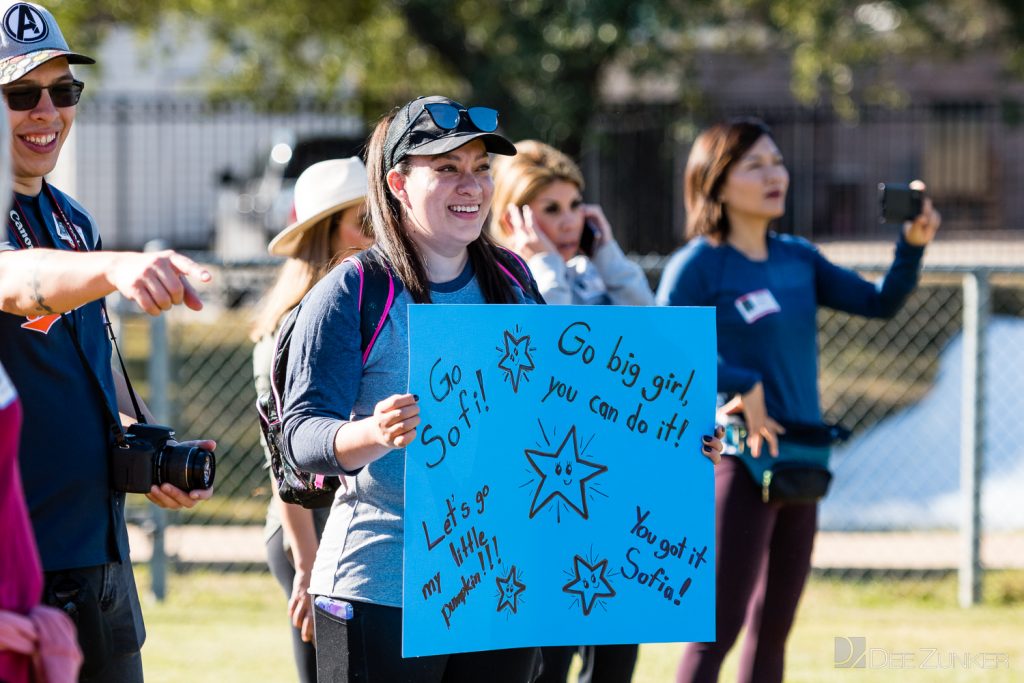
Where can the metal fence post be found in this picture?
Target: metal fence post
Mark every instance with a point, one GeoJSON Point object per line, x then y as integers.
{"type": "Point", "coordinates": [122, 170]}
{"type": "Point", "coordinates": [159, 404]}
{"type": "Point", "coordinates": [977, 298]}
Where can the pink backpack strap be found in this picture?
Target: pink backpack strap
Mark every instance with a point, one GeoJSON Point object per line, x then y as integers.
{"type": "Point", "coordinates": [362, 278]}
{"type": "Point", "coordinates": [508, 274]}
{"type": "Point", "coordinates": [384, 314]}
{"type": "Point", "coordinates": [386, 309]}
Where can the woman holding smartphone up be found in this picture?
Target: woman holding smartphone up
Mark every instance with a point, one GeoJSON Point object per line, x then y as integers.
{"type": "Point", "coordinates": [766, 289]}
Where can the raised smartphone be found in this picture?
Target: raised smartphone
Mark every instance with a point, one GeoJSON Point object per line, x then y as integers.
{"type": "Point", "coordinates": [898, 202]}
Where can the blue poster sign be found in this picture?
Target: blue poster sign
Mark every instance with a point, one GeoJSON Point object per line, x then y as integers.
{"type": "Point", "coordinates": [556, 493]}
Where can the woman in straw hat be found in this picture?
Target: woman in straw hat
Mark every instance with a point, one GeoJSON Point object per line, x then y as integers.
{"type": "Point", "coordinates": [330, 208]}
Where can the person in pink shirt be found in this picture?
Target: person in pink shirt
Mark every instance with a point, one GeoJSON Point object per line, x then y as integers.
{"type": "Point", "coordinates": [37, 643]}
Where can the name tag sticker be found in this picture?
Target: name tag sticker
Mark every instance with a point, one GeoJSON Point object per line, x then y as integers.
{"type": "Point", "coordinates": [756, 305]}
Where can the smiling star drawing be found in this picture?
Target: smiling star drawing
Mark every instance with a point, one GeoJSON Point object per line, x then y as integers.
{"type": "Point", "coordinates": [589, 583]}
{"type": "Point", "coordinates": [509, 590]}
{"type": "Point", "coordinates": [517, 361]}
{"type": "Point", "coordinates": [563, 474]}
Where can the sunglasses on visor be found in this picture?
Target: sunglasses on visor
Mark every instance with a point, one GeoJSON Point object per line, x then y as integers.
{"type": "Point", "coordinates": [446, 116]}
{"type": "Point", "coordinates": [26, 97]}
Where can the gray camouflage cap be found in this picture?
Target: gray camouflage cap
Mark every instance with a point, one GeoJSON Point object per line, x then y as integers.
{"type": "Point", "coordinates": [29, 37]}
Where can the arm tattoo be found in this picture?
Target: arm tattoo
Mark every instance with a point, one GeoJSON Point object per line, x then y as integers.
{"type": "Point", "coordinates": [36, 285]}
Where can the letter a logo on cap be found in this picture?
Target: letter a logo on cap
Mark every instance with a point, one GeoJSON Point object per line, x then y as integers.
{"type": "Point", "coordinates": [25, 24]}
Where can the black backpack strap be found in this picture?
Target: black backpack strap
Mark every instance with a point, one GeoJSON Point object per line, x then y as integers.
{"type": "Point", "coordinates": [378, 289]}
{"type": "Point", "coordinates": [517, 270]}
{"type": "Point", "coordinates": [279, 362]}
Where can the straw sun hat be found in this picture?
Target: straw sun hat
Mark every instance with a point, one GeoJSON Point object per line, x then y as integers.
{"type": "Point", "coordinates": [323, 189]}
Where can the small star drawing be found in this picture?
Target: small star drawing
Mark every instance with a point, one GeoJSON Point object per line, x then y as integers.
{"type": "Point", "coordinates": [516, 362]}
{"type": "Point", "coordinates": [589, 583]}
{"type": "Point", "coordinates": [563, 474]}
{"type": "Point", "coordinates": [509, 590]}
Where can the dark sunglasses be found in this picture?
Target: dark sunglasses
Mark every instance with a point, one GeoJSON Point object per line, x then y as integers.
{"type": "Point", "coordinates": [26, 97]}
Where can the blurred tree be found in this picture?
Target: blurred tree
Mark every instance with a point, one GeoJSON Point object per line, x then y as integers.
{"type": "Point", "coordinates": [540, 62]}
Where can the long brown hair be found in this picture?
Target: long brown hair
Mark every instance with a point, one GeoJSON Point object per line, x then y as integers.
{"type": "Point", "coordinates": [713, 155]}
{"type": "Point", "coordinates": [519, 179]}
{"type": "Point", "coordinates": [311, 261]}
{"type": "Point", "coordinates": [393, 239]}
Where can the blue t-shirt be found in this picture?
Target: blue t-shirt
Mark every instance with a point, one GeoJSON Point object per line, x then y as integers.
{"type": "Point", "coordinates": [78, 520]}
{"type": "Point", "coordinates": [767, 311]}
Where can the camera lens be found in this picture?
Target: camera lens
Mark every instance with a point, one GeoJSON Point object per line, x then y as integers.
{"type": "Point", "coordinates": [186, 467]}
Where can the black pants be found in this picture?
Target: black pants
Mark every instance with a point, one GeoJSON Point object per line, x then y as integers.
{"type": "Point", "coordinates": [104, 604]}
{"type": "Point", "coordinates": [282, 569]}
{"type": "Point", "coordinates": [368, 648]}
{"type": "Point", "coordinates": [601, 663]}
{"type": "Point", "coordinates": [762, 558]}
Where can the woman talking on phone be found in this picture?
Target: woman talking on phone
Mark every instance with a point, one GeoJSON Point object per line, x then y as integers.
{"type": "Point", "coordinates": [766, 289]}
{"type": "Point", "coordinates": [539, 214]}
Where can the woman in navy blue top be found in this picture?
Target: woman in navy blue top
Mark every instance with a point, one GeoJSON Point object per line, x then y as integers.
{"type": "Point", "coordinates": [766, 289]}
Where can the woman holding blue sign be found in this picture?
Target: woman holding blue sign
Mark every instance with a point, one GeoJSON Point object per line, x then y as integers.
{"type": "Point", "coordinates": [766, 289]}
{"type": "Point", "coordinates": [539, 213]}
{"type": "Point", "coordinates": [430, 192]}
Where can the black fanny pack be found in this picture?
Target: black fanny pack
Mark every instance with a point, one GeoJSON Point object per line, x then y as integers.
{"type": "Point", "coordinates": [800, 473]}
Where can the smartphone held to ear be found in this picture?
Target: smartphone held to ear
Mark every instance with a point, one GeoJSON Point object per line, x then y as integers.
{"type": "Point", "coordinates": [588, 238]}
{"type": "Point", "coordinates": [898, 202]}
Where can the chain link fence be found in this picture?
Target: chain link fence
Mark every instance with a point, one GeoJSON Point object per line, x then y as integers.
{"type": "Point", "coordinates": [898, 506]}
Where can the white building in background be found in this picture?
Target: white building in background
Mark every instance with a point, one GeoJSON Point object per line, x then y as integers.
{"type": "Point", "coordinates": [130, 66]}
{"type": "Point", "coordinates": [148, 152]}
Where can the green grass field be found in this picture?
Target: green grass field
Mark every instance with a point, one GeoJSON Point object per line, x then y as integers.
{"type": "Point", "coordinates": [231, 628]}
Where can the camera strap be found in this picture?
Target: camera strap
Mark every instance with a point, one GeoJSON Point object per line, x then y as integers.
{"type": "Point", "coordinates": [115, 423]}
{"type": "Point", "coordinates": [139, 417]}
{"type": "Point", "coordinates": [21, 227]}
{"type": "Point", "coordinates": [116, 430]}
{"type": "Point", "coordinates": [23, 232]}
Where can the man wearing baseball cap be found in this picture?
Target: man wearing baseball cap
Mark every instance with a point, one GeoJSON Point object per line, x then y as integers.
{"type": "Point", "coordinates": [53, 343]}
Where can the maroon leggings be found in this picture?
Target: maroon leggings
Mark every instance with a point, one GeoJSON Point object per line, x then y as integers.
{"type": "Point", "coordinates": [763, 556]}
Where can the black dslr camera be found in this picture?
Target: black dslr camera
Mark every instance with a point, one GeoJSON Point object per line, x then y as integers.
{"type": "Point", "coordinates": [145, 459]}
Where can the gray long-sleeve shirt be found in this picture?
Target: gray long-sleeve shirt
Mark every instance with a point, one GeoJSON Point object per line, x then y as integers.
{"type": "Point", "coordinates": [360, 554]}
